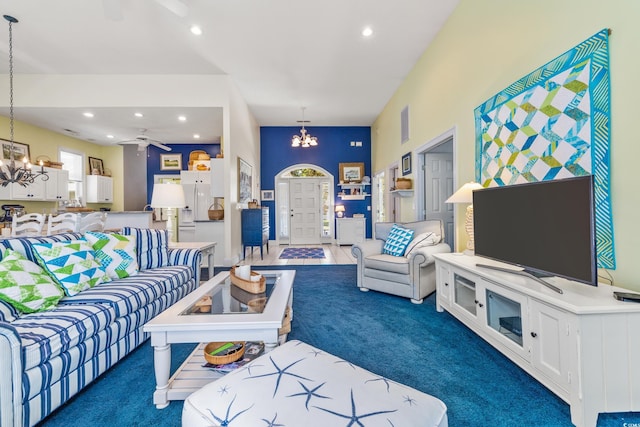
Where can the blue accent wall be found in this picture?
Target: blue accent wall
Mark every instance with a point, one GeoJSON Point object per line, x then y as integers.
{"type": "Point", "coordinates": [334, 147]}
{"type": "Point", "coordinates": [153, 160]}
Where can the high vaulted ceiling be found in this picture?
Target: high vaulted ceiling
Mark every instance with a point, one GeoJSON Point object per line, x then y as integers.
{"type": "Point", "coordinates": [282, 55]}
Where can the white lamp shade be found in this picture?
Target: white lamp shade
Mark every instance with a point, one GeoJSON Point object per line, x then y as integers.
{"type": "Point", "coordinates": [167, 196]}
{"type": "Point", "coordinates": [464, 193]}
{"type": "Point", "coordinates": [339, 208]}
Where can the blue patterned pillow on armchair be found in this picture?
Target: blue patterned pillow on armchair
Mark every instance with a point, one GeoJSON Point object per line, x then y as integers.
{"type": "Point", "coordinates": [397, 241]}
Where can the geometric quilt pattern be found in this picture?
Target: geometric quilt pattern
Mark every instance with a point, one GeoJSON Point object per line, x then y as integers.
{"type": "Point", "coordinates": [397, 240]}
{"type": "Point", "coordinates": [71, 264]}
{"type": "Point", "coordinates": [115, 252]}
{"type": "Point", "coordinates": [25, 285]}
{"type": "Point", "coordinates": [553, 124]}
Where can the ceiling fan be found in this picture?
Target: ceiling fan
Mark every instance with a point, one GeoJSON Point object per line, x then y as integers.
{"type": "Point", "coordinates": [144, 141]}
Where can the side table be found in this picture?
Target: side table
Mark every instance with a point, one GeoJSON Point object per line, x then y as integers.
{"type": "Point", "coordinates": [208, 250]}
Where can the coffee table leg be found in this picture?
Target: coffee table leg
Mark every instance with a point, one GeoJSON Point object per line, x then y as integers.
{"type": "Point", "coordinates": [162, 367]}
{"type": "Point", "coordinates": [268, 346]}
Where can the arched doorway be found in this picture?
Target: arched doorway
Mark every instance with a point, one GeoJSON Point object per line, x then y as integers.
{"type": "Point", "coordinates": [304, 205]}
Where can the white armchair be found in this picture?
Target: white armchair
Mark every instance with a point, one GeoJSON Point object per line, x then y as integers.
{"type": "Point", "coordinates": [412, 276]}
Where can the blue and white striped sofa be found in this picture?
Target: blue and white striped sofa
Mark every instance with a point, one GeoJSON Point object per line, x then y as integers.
{"type": "Point", "coordinates": [47, 357]}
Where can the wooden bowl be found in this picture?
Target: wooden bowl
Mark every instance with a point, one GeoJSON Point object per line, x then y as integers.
{"type": "Point", "coordinates": [227, 358]}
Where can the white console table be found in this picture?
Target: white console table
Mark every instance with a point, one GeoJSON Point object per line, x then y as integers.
{"type": "Point", "coordinates": [583, 344]}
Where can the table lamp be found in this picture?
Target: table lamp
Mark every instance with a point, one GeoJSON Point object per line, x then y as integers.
{"type": "Point", "coordinates": [168, 196]}
{"type": "Point", "coordinates": [465, 195]}
{"type": "Point", "coordinates": [339, 211]}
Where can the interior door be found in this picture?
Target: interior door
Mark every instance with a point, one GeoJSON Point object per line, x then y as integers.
{"type": "Point", "coordinates": [438, 187]}
{"type": "Point", "coordinates": [304, 203]}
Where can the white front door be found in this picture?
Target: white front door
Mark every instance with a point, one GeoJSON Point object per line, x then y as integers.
{"type": "Point", "coordinates": [438, 186]}
{"type": "Point", "coordinates": [304, 202]}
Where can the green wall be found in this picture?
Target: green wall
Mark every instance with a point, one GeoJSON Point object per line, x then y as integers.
{"type": "Point", "coordinates": [487, 45]}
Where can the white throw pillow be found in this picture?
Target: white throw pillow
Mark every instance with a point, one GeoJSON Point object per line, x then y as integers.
{"type": "Point", "coordinates": [422, 240]}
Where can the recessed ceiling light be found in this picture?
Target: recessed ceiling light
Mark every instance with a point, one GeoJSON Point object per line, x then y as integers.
{"type": "Point", "coordinates": [110, 136]}
{"type": "Point", "coordinates": [182, 118]}
{"type": "Point", "coordinates": [195, 29]}
{"type": "Point", "coordinates": [138, 114]}
{"type": "Point", "coordinates": [87, 114]}
{"type": "Point", "coordinates": [196, 136]}
{"type": "Point", "coordinates": [367, 32]}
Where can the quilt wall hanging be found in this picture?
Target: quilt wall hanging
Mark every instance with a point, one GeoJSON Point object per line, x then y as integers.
{"type": "Point", "coordinates": [551, 124]}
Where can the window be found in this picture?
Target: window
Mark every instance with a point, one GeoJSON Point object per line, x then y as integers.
{"type": "Point", "coordinates": [74, 163]}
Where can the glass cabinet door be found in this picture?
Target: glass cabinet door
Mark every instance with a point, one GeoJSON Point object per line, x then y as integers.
{"type": "Point", "coordinates": [464, 293]}
{"type": "Point", "coordinates": [504, 315]}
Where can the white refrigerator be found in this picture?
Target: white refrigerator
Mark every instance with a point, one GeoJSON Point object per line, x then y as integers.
{"type": "Point", "coordinates": [197, 193]}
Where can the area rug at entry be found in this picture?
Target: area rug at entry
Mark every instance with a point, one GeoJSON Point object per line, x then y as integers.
{"type": "Point", "coordinates": [298, 253]}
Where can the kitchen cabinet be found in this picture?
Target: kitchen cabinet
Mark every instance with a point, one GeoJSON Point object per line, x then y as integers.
{"type": "Point", "coordinates": [56, 188]}
{"type": "Point", "coordinates": [99, 189]}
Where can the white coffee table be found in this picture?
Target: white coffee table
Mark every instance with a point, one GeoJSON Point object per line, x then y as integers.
{"type": "Point", "coordinates": [229, 318]}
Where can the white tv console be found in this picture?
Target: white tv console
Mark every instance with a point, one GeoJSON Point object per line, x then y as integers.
{"type": "Point", "coordinates": [583, 344]}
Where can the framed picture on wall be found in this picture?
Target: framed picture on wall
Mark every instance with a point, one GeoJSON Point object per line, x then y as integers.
{"type": "Point", "coordinates": [244, 181]}
{"type": "Point", "coordinates": [351, 172]}
{"type": "Point", "coordinates": [19, 150]}
{"type": "Point", "coordinates": [267, 195]}
{"type": "Point", "coordinates": [406, 164]}
{"type": "Point", "coordinates": [96, 167]}
{"type": "Point", "coordinates": [170, 162]}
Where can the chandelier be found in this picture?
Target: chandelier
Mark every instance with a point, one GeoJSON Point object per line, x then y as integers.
{"type": "Point", "coordinates": [303, 140]}
{"type": "Point", "coordinates": [13, 172]}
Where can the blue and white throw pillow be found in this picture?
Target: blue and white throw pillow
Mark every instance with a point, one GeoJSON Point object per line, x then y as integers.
{"type": "Point", "coordinates": [152, 246]}
{"type": "Point", "coordinates": [397, 241]}
{"type": "Point", "coordinates": [116, 253]}
{"type": "Point", "coordinates": [71, 264]}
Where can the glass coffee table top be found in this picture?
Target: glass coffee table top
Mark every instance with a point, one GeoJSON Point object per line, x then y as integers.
{"type": "Point", "coordinates": [227, 298]}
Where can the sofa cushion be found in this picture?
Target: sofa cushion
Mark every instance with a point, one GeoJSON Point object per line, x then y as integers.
{"type": "Point", "coordinates": [71, 265]}
{"type": "Point", "coordinates": [115, 252]}
{"type": "Point", "coordinates": [397, 241]}
{"type": "Point", "coordinates": [391, 263]}
{"type": "Point", "coordinates": [152, 246]}
{"type": "Point", "coordinates": [47, 334]}
{"type": "Point", "coordinates": [131, 293]}
{"type": "Point", "coordinates": [24, 245]}
{"type": "Point", "coordinates": [422, 240]}
{"type": "Point", "coordinates": [25, 285]}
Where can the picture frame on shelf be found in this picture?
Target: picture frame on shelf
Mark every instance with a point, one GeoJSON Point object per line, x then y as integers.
{"type": "Point", "coordinates": [245, 179]}
{"type": "Point", "coordinates": [267, 195]}
{"type": "Point", "coordinates": [406, 164]}
{"type": "Point", "coordinates": [20, 150]}
{"type": "Point", "coordinates": [351, 172]}
{"type": "Point", "coordinates": [170, 162]}
{"type": "Point", "coordinates": [96, 166]}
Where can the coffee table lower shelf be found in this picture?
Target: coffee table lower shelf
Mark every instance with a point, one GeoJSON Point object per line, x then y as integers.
{"type": "Point", "coordinates": [192, 376]}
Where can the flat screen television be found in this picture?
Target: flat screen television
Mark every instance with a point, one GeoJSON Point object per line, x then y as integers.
{"type": "Point", "coordinates": [547, 227]}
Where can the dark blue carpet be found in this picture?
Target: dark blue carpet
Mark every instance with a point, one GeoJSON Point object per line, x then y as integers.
{"type": "Point", "coordinates": [412, 344]}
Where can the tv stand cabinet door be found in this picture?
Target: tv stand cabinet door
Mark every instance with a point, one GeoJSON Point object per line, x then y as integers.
{"type": "Point", "coordinates": [552, 341]}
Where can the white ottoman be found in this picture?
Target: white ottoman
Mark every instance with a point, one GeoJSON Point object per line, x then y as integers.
{"type": "Point", "coordinates": [299, 385]}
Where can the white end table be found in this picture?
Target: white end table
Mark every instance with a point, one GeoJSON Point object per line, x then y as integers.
{"type": "Point", "coordinates": [208, 249]}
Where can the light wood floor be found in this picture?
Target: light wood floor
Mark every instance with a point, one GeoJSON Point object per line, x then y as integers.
{"type": "Point", "coordinates": [332, 255]}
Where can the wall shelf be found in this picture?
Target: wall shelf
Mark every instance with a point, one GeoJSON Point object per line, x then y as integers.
{"type": "Point", "coordinates": [402, 193]}
{"type": "Point", "coordinates": [354, 191]}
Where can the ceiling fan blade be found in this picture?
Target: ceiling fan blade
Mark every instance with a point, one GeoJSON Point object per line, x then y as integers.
{"type": "Point", "coordinates": [178, 7]}
{"type": "Point", "coordinates": [160, 145]}
{"type": "Point", "coordinates": [130, 142]}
